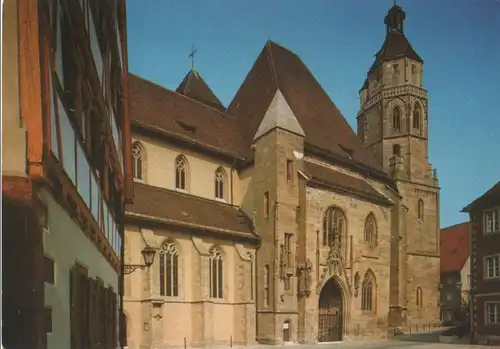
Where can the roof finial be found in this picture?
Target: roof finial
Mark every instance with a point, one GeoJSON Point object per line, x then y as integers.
{"type": "Point", "coordinates": [191, 55]}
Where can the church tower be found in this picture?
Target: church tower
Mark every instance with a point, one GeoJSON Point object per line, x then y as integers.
{"type": "Point", "coordinates": [393, 124]}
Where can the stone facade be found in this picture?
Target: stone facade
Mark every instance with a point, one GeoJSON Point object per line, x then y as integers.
{"type": "Point", "coordinates": [341, 254]}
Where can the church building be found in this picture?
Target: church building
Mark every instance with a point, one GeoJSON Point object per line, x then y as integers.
{"type": "Point", "coordinates": [275, 222]}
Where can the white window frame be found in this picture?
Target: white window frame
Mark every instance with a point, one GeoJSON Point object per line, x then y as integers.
{"type": "Point", "coordinates": [490, 229]}
{"type": "Point", "coordinates": [496, 266]}
{"type": "Point", "coordinates": [496, 307]}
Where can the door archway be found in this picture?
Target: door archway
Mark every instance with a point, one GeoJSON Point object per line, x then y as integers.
{"type": "Point", "coordinates": [286, 331]}
{"type": "Point", "coordinates": [330, 312]}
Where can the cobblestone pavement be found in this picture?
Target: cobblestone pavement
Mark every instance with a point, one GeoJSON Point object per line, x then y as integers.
{"type": "Point", "coordinates": [413, 341]}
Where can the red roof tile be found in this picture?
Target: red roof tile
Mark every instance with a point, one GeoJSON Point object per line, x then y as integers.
{"type": "Point", "coordinates": [489, 199]}
{"type": "Point", "coordinates": [455, 247]}
{"type": "Point", "coordinates": [337, 180]}
{"type": "Point", "coordinates": [155, 107]}
{"type": "Point", "coordinates": [323, 124]}
{"type": "Point", "coordinates": [180, 209]}
{"type": "Point", "coordinates": [195, 87]}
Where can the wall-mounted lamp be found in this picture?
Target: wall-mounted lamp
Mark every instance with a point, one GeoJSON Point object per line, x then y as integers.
{"type": "Point", "coordinates": [148, 253]}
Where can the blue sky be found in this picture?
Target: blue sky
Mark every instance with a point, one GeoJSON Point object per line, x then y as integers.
{"type": "Point", "coordinates": [337, 39]}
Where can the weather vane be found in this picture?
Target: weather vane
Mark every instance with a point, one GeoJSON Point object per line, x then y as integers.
{"type": "Point", "coordinates": [191, 55]}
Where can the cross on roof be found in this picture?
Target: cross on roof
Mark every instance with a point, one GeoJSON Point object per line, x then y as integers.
{"type": "Point", "coordinates": [191, 55]}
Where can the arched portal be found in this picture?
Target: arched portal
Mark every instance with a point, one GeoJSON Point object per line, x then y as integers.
{"type": "Point", "coordinates": [286, 331]}
{"type": "Point", "coordinates": [330, 313]}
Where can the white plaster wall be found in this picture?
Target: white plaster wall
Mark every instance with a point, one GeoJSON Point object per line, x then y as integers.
{"type": "Point", "coordinates": [65, 243]}
{"type": "Point", "coordinates": [465, 276]}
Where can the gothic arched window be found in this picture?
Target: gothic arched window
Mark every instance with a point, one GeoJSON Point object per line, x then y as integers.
{"type": "Point", "coordinates": [220, 179]}
{"type": "Point", "coordinates": [368, 292]}
{"type": "Point", "coordinates": [216, 272]}
{"type": "Point", "coordinates": [181, 172]}
{"type": "Point", "coordinates": [169, 269]}
{"type": "Point", "coordinates": [417, 115]}
{"type": "Point", "coordinates": [420, 209]}
{"type": "Point", "coordinates": [333, 227]}
{"type": "Point", "coordinates": [419, 297]}
{"type": "Point", "coordinates": [396, 150]}
{"type": "Point", "coordinates": [138, 161]}
{"type": "Point", "coordinates": [396, 119]}
{"type": "Point", "coordinates": [370, 230]}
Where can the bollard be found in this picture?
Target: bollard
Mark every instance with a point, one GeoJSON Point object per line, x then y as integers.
{"type": "Point", "coordinates": [231, 342]}
{"type": "Point", "coordinates": [185, 343]}
{"type": "Point", "coordinates": [410, 328]}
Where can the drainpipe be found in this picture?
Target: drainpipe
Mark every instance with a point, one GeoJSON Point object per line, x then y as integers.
{"type": "Point", "coordinates": [232, 186]}
{"type": "Point", "coordinates": [275, 257]}
{"type": "Point", "coordinates": [121, 280]}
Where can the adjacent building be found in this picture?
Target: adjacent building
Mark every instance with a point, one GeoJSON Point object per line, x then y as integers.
{"type": "Point", "coordinates": [273, 220]}
{"type": "Point", "coordinates": [484, 213]}
{"type": "Point", "coordinates": [66, 160]}
{"type": "Point", "coordinates": [455, 274]}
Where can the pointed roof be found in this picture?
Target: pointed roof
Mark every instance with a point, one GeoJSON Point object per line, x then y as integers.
{"type": "Point", "coordinates": [159, 110]}
{"type": "Point", "coordinates": [489, 199]}
{"type": "Point", "coordinates": [279, 115]}
{"type": "Point", "coordinates": [395, 45]}
{"type": "Point", "coordinates": [195, 87]}
{"type": "Point", "coordinates": [324, 126]}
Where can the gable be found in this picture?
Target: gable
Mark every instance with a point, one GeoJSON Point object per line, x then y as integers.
{"type": "Point", "coordinates": [323, 124]}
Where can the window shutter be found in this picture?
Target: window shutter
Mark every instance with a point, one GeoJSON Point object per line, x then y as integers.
{"type": "Point", "coordinates": [74, 316]}
{"type": "Point", "coordinates": [83, 308]}
{"type": "Point", "coordinates": [92, 313]}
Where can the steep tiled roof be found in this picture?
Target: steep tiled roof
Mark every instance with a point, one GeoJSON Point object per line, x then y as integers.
{"type": "Point", "coordinates": [196, 88]}
{"type": "Point", "coordinates": [157, 108]}
{"type": "Point", "coordinates": [488, 199]}
{"type": "Point", "coordinates": [179, 209]}
{"type": "Point", "coordinates": [323, 124]}
{"type": "Point", "coordinates": [337, 180]}
{"type": "Point", "coordinates": [395, 45]}
{"type": "Point", "coordinates": [455, 247]}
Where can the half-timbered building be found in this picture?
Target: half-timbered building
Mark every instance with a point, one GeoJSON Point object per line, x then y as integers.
{"type": "Point", "coordinates": [66, 162]}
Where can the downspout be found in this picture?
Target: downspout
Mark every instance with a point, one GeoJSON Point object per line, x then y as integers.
{"type": "Point", "coordinates": [121, 317]}
{"type": "Point", "coordinates": [231, 177]}
{"type": "Point", "coordinates": [275, 257]}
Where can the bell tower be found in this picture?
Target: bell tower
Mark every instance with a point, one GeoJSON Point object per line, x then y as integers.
{"type": "Point", "coordinates": [393, 123]}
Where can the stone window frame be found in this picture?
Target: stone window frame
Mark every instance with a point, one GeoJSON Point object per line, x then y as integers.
{"type": "Point", "coordinates": [419, 297]}
{"type": "Point", "coordinates": [420, 209]}
{"type": "Point", "coordinates": [181, 175]}
{"type": "Point", "coordinates": [496, 266]}
{"type": "Point", "coordinates": [496, 313]}
{"type": "Point", "coordinates": [495, 221]}
{"type": "Point", "coordinates": [171, 247]}
{"type": "Point", "coordinates": [417, 117]}
{"type": "Point", "coordinates": [371, 237]}
{"type": "Point", "coordinates": [397, 118]}
{"type": "Point", "coordinates": [216, 275]}
{"type": "Point", "coordinates": [220, 184]}
{"type": "Point", "coordinates": [369, 293]}
{"type": "Point", "coordinates": [328, 236]}
{"type": "Point", "coordinates": [138, 161]}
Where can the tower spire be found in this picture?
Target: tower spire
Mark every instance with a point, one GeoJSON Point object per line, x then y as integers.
{"type": "Point", "coordinates": [394, 19]}
{"type": "Point", "coordinates": [191, 55]}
